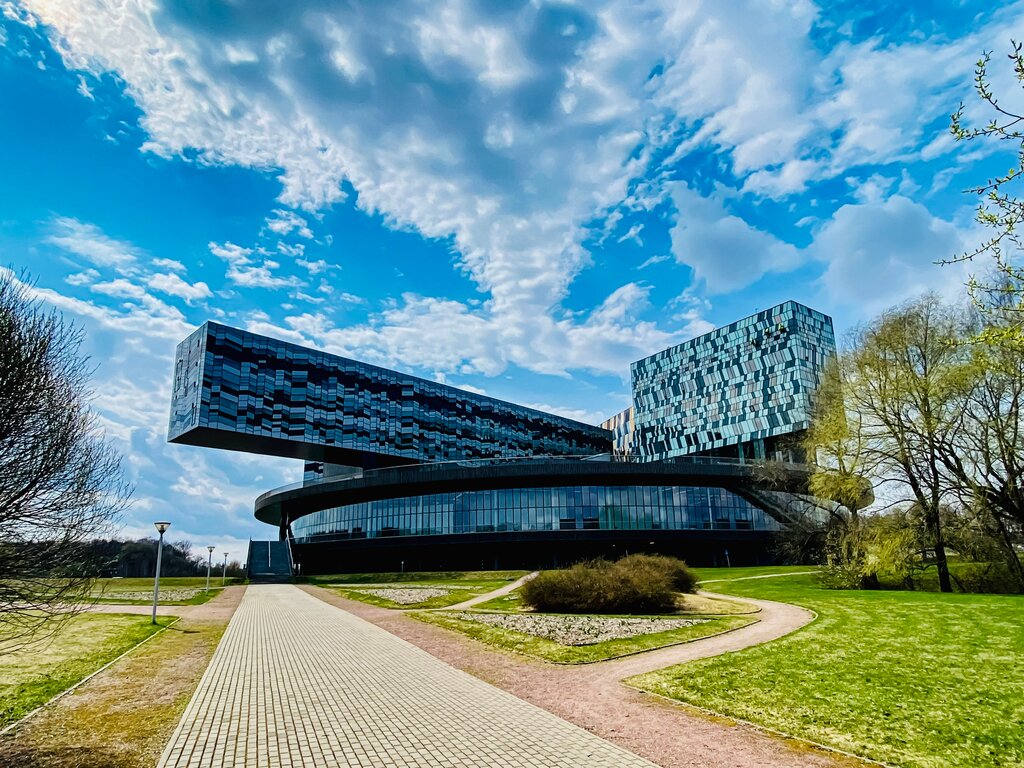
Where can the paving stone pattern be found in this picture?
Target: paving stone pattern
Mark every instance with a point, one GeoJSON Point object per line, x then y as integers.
{"type": "Point", "coordinates": [297, 682]}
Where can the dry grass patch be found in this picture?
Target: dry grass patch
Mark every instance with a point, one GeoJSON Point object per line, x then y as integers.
{"type": "Point", "coordinates": [123, 717]}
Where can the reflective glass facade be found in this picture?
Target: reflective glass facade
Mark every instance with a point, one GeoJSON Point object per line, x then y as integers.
{"type": "Point", "coordinates": [635, 507]}
{"type": "Point", "coordinates": [240, 390]}
{"type": "Point", "coordinates": [747, 382]}
{"type": "Point", "coordinates": [621, 427]}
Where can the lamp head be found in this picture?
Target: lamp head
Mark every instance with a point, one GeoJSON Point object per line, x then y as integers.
{"type": "Point", "coordinates": [210, 549]}
{"type": "Point", "coordinates": [162, 526]}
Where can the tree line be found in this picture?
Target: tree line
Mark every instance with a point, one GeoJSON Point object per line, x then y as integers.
{"type": "Point", "coordinates": [115, 558]}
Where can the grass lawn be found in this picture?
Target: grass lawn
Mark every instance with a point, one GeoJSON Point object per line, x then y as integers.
{"type": "Point", "coordinates": [458, 586]}
{"type": "Point", "coordinates": [436, 577]}
{"type": "Point", "coordinates": [123, 717]}
{"type": "Point", "coordinates": [549, 650]}
{"type": "Point", "coordinates": [174, 590]}
{"type": "Point", "coordinates": [912, 678]}
{"type": "Point", "coordinates": [714, 575]}
{"type": "Point", "coordinates": [34, 675]}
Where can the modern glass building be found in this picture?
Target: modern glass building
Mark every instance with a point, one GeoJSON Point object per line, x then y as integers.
{"type": "Point", "coordinates": [736, 391]}
{"type": "Point", "coordinates": [404, 472]}
{"type": "Point", "coordinates": [242, 391]}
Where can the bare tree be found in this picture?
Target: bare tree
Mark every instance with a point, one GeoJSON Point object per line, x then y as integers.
{"type": "Point", "coordinates": [1000, 210]}
{"type": "Point", "coordinates": [60, 482]}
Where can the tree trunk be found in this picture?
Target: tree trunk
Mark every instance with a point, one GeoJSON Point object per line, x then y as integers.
{"type": "Point", "coordinates": [945, 585]}
{"type": "Point", "coordinates": [1012, 558]}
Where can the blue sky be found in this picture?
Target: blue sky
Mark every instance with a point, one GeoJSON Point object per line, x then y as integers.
{"type": "Point", "coordinates": [518, 198]}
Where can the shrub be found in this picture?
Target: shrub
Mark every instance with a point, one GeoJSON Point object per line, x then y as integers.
{"type": "Point", "coordinates": [679, 573]}
{"type": "Point", "coordinates": [634, 584]}
{"type": "Point", "coordinates": [994, 578]}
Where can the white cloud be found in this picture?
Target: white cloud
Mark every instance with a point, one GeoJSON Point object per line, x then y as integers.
{"type": "Point", "coordinates": [86, 277]}
{"type": "Point", "coordinates": [883, 251]}
{"type": "Point", "coordinates": [313, 267]}
{"type": "Point", "coordinates": [173, 285]}
{"type": "Point", "coordinates": [172, 264]}
{"type": "Point", "coordinates": [283, 222]}
{"type": "Point", "coordinates": [83, 88]}
{"type": "Point", "coordinates": [634, 235]}
{"type": "Point", "coordinates": [510, 133]}
{"type": "Point", "coordinates": [89, 242]}
{"type": "Point", "coordinates": [656, 259]}
{"type": "Point", "coordinates": [121, 288]}
{"type": "Point", "coordinates": [724, 251]}
{"type": "Point", "coordinates": [249, 272]}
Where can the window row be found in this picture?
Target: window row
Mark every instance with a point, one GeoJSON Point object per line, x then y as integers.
{"type": "Point", "coordinates": [539, 509]}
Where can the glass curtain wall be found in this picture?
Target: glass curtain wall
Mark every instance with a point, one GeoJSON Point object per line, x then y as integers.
{"type": "Point", "coordinates": [538, 509]}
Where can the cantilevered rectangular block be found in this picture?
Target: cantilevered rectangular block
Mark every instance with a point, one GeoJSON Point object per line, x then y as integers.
{"type": "Point", "coordinates": [242, 391]}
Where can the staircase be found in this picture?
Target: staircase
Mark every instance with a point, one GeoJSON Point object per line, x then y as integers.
{"type": "Point", "coordinates": [269, 562]}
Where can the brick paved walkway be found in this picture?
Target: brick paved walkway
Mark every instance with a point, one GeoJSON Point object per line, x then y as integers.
{"type": "Point", "coordinates": [297, 682]}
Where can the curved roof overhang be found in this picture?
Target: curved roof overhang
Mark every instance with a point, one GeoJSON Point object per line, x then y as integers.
{"type": "Point", "coordinates": [416, 480]}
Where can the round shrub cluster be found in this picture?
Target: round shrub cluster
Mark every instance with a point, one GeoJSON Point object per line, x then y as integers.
{"type": "Point", "coordinates": [634, 584]}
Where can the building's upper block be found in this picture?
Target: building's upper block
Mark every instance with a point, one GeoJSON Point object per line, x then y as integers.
{"type": "Point", "coordinates": [746, 381]}
{"type": "Point", "coordinates": [242, 391]}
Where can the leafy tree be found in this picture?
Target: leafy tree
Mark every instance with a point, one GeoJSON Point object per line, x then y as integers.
{"type": "Point", "coordinates": [886, 412]}
{"type": "Point", "coordinates": [837, 447]}
{"type": "Point", "coordinates": [60, 481]}
{"type": "Point", "coordinates": [985, 456]}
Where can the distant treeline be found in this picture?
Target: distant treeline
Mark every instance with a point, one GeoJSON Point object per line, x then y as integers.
{"type": "Point", "coordinates": [137, 559]}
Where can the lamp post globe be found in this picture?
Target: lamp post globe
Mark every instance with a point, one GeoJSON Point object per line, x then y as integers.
{"type": "Point", "coordinates": [209, 563]}
{"type": "Point", "coordinates": [161, 527]}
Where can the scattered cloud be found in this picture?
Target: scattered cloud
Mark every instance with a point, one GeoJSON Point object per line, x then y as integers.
{"type": "Point", "coordinates": [90, 243]}
{"type": "Point", "coordinates": [880, 252]}
{"type": "Point", "coordinates": [173, 285]}
{"type": "Point", "coordinates": [251, 272]}
{"type": "Point", "coordinates": [171, 264]}
{"type": "Point", "coordinates": [285, 222]}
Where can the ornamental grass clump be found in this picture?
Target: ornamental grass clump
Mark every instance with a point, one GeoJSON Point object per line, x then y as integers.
{"type": "Point", "coordinates": [634, 584]}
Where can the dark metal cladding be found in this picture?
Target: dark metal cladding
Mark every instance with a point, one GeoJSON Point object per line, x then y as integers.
{"type": "Point", "coordinates": [242, 391]}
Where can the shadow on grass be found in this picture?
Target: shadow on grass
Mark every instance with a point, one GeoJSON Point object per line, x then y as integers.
{"type": "Point", "coordinates": [39, 756]}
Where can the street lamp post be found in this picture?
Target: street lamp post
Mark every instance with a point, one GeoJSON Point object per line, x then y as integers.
{"type": "Point", "coordinates": [162, 527]}
{"type": "Point", "coordinates": [209, 564]}
{"type": "Point", "coordinates": [224, 573]}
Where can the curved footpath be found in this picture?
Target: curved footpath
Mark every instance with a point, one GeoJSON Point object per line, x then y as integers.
{"type": "Point", "coordinates": [593, 697]}
{"type": "Point", "coordinates": [499, 592]}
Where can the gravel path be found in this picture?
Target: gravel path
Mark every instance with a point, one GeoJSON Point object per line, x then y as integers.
{"type": "Point", "coordinates": [499, 592]}
{"type": "Point", "coordinates": [593, 697]}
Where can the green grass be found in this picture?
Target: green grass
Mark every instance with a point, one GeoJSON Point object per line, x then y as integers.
{"type": "Point", "coordinates": [918, 679]}
{"type": "Point", "coordinates": [436, 577]}
{"type": "Point", "coordinates": [33, 675]}
{"type": "Point", "coordinates": [130, 591]}
{"type": "Point", "coordinates": [549, 650]}
{"type": "Point", "coordinates": [510, 603]}
{"type": "Point", "coordinates": [717, 574]}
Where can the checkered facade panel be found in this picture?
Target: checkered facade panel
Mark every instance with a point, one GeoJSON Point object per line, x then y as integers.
{"type": "Point", "coordinates": [747, 381]}
{"type": "Point", "coordinates": [621, 427]}
{"type": "Point", "coordinates": [244, 384]}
